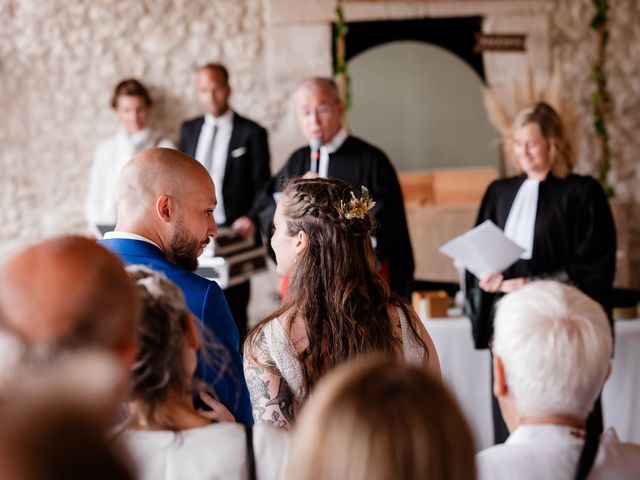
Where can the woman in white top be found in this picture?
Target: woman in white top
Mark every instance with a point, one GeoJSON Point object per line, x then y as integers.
{"type": "Point", "coordinates": [132, 104]}
{"type": "Point", "coordinates": [167, 437]}
{"type": "Point", "coordinates": [336, 307]}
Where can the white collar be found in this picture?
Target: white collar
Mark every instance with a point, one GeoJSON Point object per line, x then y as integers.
{"type": "Point", "coordinates": [129, 236]}
{"type": "Point", "coordinates": [336, 142]}
{"type": "Point", "coordinates": [224, 120]}
{"type": "Point", "coordinates": [549, 433]}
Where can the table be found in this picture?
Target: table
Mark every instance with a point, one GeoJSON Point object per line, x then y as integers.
{"type": "Point", "coordinates": [466, 372]}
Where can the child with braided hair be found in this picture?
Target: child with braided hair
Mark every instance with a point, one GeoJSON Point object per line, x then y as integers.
{"type": "Point", "coordinates": [336, 308]}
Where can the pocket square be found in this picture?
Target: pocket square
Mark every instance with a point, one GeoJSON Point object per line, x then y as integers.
{"type": "Point", "coordinates": [238, 152]}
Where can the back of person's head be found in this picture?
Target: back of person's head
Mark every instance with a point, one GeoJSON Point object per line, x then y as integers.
{"type": "Point", "coordinates": [339, 227]}
{"type": "Point", "coordinates": [52, 435]}
{"type": "Point", "coordinates": [132, 88]}
{"type": "Point", "coordinates": [68, 294]}
{"type": "Point", "coordinates": [555, 344]}
{"type": "Point", "coordinates": [378, 419]}
{"type": "Point", "coordinates": [166, 338]}
{"type": "Point", "coordinates": [552, 129]}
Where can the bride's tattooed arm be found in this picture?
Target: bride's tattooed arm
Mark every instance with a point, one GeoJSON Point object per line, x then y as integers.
{"type": "Point", "coordinates": [271, 397]}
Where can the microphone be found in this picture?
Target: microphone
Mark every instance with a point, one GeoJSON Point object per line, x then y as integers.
{"type": "Point", "coordinates": [315, 145]}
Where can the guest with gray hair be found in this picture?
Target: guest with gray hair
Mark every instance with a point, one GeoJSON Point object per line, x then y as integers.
{"type": "Point", "coordinates": [552, 349]}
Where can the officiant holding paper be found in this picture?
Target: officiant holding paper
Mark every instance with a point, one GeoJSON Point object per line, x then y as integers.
{"type": "Point", "coordinates": [562, 221]}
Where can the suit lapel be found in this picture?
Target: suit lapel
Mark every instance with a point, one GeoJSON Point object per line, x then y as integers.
{"type": "Point", "coordinates": [195, 136]}
{"type": "Point", "coordinates": [234, 143]}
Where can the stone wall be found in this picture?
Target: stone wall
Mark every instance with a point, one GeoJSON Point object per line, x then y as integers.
{"type": "Point", "coordinates": [59, 60]}
{"type": "Point", "coordinates": [573, 47]}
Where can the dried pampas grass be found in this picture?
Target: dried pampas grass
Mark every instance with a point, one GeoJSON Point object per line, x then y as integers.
{"type": "Point", "coordinates": [529, 89]}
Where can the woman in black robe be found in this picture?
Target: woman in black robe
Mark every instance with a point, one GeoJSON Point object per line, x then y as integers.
{"type": "Point", "coordinates": [562, 220]}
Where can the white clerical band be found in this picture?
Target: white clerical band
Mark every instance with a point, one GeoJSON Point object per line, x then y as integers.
{"type": "Point", "coordinates": [521, 221]}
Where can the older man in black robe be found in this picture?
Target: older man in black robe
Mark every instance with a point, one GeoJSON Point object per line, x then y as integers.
{"type": "Point", "coordinates": [333, 152]}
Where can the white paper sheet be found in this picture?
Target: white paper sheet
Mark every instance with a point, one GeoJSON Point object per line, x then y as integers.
{"type": "Point", "coordinates": [483, 250]}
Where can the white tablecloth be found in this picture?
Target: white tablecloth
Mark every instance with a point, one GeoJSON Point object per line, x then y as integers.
{"type": "Point", "coordinates": [621, 395]}
{"type": "Point", "coordinates": [466, 372]}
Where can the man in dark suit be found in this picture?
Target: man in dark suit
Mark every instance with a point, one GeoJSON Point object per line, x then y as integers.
{"type": "Point", "coordinates": [235, 151]}
{"type": "Point", "coordinates": [165, 203]}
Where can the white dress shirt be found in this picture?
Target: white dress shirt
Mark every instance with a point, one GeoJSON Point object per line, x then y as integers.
{"type": "Point", "coordinates": [220, 149]}
{"type": "Point", "coordinates": [110, 156]}
{"type": "Point", "coordinates": [521, 221]}
{"type": "Point", "coordinates": [551, 452]}
{"type": "Point", "coordinates": [330, 147]}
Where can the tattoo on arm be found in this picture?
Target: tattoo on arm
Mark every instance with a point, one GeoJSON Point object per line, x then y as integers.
{"type": "Point", "coordinates": [271, 398]}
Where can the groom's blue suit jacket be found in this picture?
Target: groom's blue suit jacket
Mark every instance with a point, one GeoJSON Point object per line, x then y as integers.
{"type": "Point", "coordinates": [206, 301]}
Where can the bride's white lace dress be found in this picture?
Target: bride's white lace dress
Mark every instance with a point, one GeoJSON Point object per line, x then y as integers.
{"type": "Point", "coordinates": [277, 404]}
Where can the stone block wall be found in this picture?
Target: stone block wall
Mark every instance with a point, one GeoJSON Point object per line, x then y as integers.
{"type": "Point", "coordinates": [59, 62]}
{"type": "Point", "coordinates": [60, 59]}
{"type": "Point", "coordinates": [573, 48]}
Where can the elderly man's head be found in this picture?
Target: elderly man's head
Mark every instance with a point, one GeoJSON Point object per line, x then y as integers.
{"type": "Point", "coordinates": [318, 108]}
{"type": "Point", "coordinates": [552, 346]}
{"type": "Point", "coordinates": [69, 293]}
{"type": "Point", "coordinates": [65, 297]}
{"type": "Point", "coordinates": [169, 198]}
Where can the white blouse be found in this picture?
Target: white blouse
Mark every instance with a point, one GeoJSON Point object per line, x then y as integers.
{"type": "Point", "coordinates": [216, 451]}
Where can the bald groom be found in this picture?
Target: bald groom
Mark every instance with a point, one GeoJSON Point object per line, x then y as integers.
{"type": "Point", "coordinates": [165, 203]}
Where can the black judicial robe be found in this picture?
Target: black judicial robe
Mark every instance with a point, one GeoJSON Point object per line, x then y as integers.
{"type": "Point", "coordinates": [359, 163]}
{"type": "Point", "coordinates": [574, 242]}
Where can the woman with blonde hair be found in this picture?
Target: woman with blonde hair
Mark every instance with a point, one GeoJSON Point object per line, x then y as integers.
{"type": "Point", "coordinates": [562, 221]}
{"type": "Point", "coordinates": [167, 436]}
{"type": "Point", "coordinates": [336, 307]}
{"type": "Point", "coordinates": [376, 419]}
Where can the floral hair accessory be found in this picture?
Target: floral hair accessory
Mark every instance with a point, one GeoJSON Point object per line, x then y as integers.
{"type": "Point", "coordinates": [357, 207]}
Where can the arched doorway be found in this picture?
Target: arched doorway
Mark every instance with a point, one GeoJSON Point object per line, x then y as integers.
{"type": "Point", "coordinates": [423, 105]}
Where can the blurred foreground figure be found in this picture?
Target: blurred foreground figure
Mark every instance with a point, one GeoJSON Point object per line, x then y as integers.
{"type": "Point", "coordinates": [377, 419]}
{"type": "Point", "coordinates": [62, 297]}
{"type": "Point", "coordinates": [166, 434]}
{"type": "Point", "coordinates": [58, 433]}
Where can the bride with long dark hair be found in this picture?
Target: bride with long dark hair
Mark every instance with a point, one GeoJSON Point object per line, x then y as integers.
{"type": "Point", "coordinates": [336, 307]}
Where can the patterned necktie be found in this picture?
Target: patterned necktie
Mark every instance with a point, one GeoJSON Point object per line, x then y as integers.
{"type": "Point", "coordinates": [208, 159]}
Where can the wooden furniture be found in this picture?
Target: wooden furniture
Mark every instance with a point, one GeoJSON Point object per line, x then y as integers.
{"type": "Point", "coordinates": [441, 204]}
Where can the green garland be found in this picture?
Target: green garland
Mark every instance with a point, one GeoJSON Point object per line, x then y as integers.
{"type": "Point", "coordinates": [341, 63]}
{"type": "Point", "coordinates": [600, 99]}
